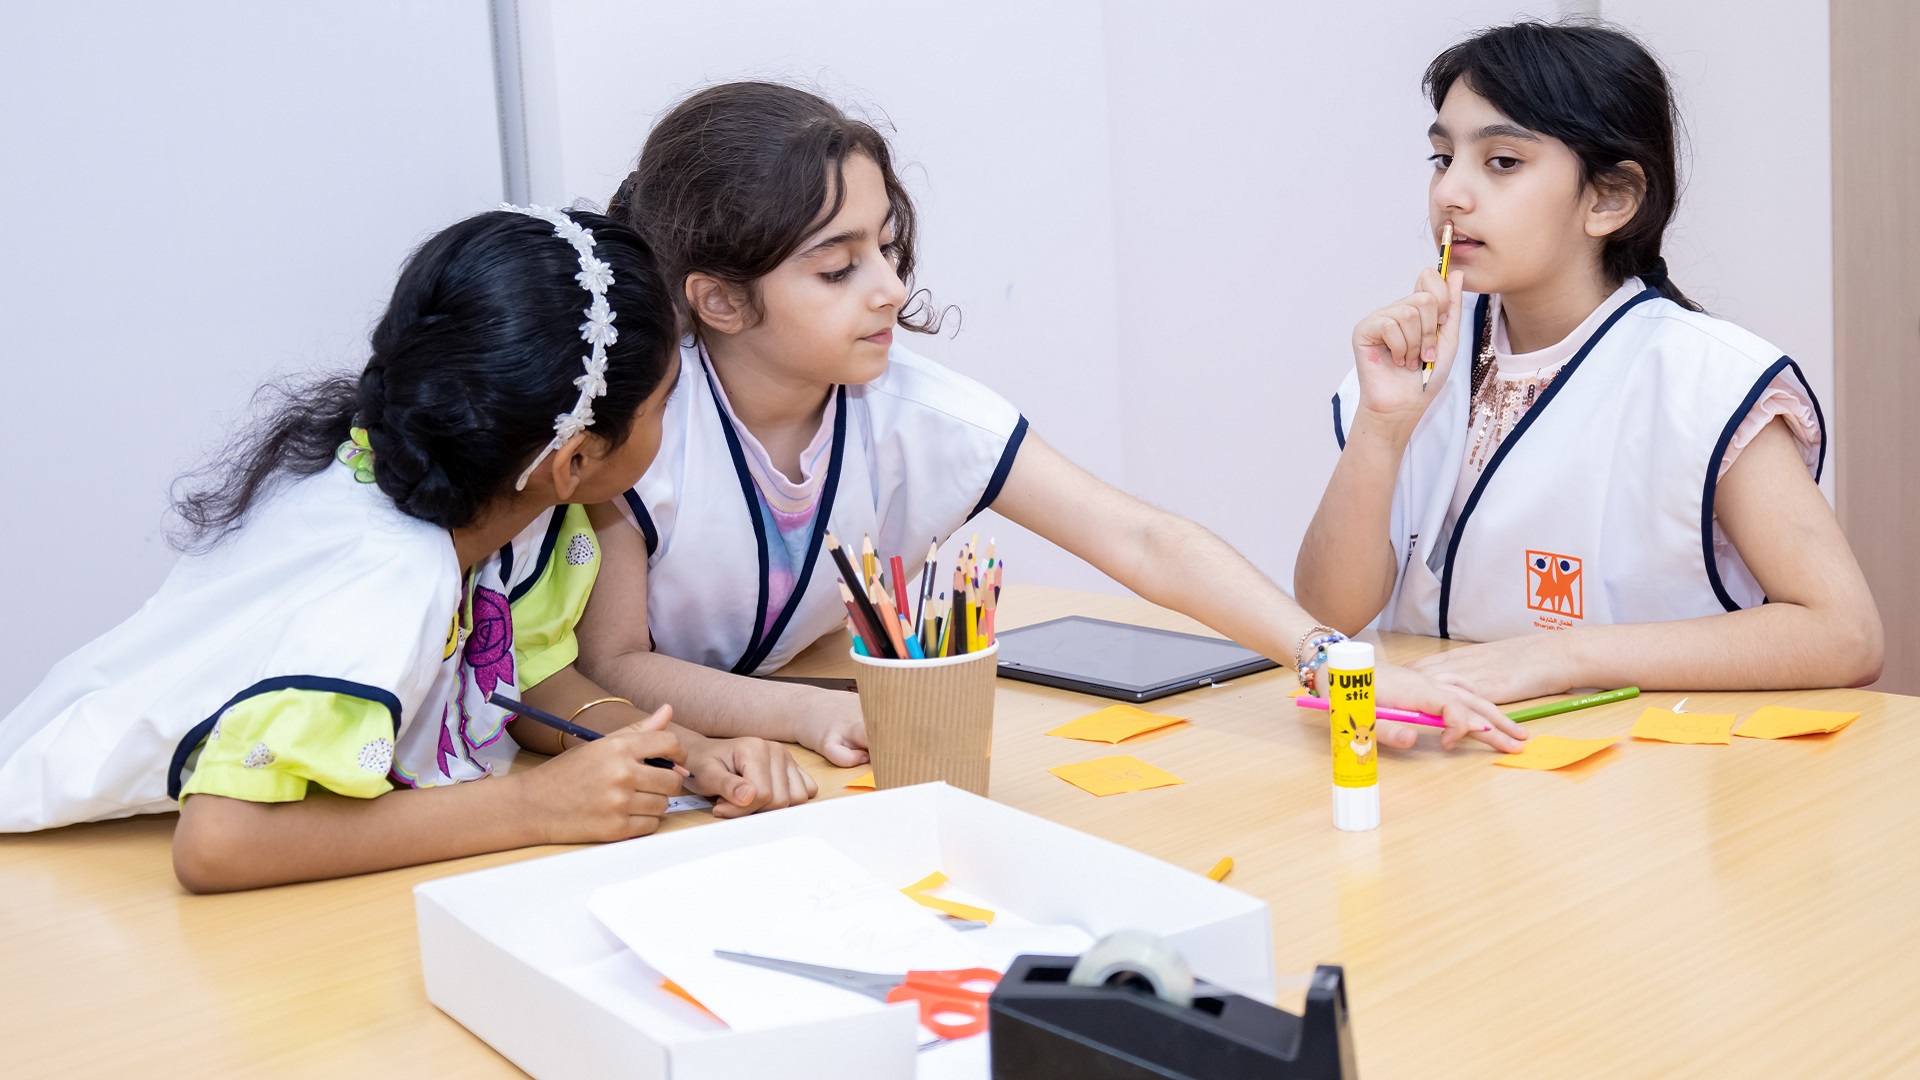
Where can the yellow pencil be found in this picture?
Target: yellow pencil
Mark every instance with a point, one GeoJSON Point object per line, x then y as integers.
{"type": "Point", "coordinates": [1221, 869]}
{"type": "Point", "coordinates": [1446, 256]}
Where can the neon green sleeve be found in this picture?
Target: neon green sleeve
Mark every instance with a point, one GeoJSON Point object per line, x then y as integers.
{"type": "Point", "coordinates": [270, 747]}
{"type": "Point", "coordinates": [544, 616]}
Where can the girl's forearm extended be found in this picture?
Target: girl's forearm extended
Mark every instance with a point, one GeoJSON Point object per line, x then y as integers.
{"type": "Point", "coordinates": [1777, 646]}
{"type": "Point", "coordinates": [718, 704]}
{"type": "Point", "coordinates": [1196, 573]}
{"type": "Point", "coordinates": [224, 844]}
{"type": "Point", "coordinates": [1345, 571]}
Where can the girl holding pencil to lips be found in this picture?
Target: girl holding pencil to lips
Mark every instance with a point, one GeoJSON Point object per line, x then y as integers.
{"type": "Point", "coordinates": [790, 242]}
{"type": "Point", "coordinates": [1646, 471]}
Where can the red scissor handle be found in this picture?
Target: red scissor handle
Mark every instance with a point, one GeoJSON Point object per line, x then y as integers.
{"type": "Point", "coordinates": [947, 993]}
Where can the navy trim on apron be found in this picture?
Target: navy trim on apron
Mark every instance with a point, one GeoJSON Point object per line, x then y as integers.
{"type": "Point", "coordinates": [1001, 469]}
{"type": "Point", "coordinates": [760, 644]}
{"type": "Point", "coordinates": [1482, 314]}
{"type": "Point", "coordinates": [198, 733]}
{"type": "Point", "coordinates": [1720, 452]}
{"type": "Point", "coordinates": [1339, 435]}
{"type": "Point", "coordinates": [644, 520]}
{"type": "Point", "coordinates": [540, 559]}
{"type": "Point", "coordinates": [821, 524]}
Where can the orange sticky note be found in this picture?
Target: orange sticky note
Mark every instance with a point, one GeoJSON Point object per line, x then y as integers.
{"type": "Point", "coordinates": [1114, 775]}
{"type": "Point", "coordinates": [1780, 722]}
{"type": "Point", "coordinates": [1703, 728]}
{"type": "Point", "coordinates": [1115, 723]}
{"type": "Point", "coordinates": [1553, 752]}
{"type": "Point", "coordinates": [863, 782]}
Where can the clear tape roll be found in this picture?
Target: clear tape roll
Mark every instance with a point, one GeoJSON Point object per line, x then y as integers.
{"type": "Point", "coordinates": [1136, 954]}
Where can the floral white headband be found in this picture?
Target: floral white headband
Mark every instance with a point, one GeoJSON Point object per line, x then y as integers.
{"type": "Point", "coordinates": [594, 276]}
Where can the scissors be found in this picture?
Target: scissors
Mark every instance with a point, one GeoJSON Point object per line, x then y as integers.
{"type": "Point", "coordinates": [938, 993]}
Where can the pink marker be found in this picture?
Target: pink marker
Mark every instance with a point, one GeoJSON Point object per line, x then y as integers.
{"type": "Point", "coordinates": [1405, 716]}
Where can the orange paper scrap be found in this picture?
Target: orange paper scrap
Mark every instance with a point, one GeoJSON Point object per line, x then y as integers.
{"type": "Point", "coordinates": [1552, 752]}
{"type": "Point", "coordinates": [917, 892]}
{"type": "Point", "coordinates": [1115, 723]}
{"type": "Point", "coordinates": [680, 992]}
{"type": "Point", "coordinates": [1780, 722]}
{"type": "Point", "coordinates": [1703, 728]}
{"type": "Point", "coordinates": [1114, 775]}
{"type": "Point", "coordinates": [863, 782]}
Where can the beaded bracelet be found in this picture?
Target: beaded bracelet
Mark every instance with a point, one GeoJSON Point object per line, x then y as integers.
{"type": "Point", "coordinates": [1311, 653]}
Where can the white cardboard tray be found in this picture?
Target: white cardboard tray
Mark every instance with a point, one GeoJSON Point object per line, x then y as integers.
{"type": "Point", "coordinates": [514, 954]}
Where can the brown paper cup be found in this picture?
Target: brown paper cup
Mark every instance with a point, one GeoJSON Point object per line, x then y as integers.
{"type": "Point", "coordinates": [929, 719]}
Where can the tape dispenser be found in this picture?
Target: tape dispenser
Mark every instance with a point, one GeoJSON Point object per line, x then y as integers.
{"type": "Point", "coordinates": [1129, 1007]}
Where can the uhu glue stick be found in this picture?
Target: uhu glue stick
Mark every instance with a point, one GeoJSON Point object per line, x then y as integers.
{"type": "Point", "coordinates": [1356, 758]}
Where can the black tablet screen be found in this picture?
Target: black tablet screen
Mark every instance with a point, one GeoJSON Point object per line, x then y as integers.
{"type": "Point", "coordinates": [1134, 659]}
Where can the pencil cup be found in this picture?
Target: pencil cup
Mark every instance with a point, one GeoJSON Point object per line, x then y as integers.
{"type": "Point", "coordinates": [929, 719]}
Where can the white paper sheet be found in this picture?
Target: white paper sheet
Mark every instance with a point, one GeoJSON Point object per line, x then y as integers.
{"type": "Point", "coordinates": [794, 899]}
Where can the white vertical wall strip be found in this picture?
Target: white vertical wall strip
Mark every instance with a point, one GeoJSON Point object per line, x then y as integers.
{"type": "Point", "coordinates": [510, 99]}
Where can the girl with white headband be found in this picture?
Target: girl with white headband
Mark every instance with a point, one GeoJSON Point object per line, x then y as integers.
{"type": "Point", "coordinates": [312, 686]}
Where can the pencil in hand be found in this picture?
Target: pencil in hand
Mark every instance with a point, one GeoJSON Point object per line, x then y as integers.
{"type": "Point", "coordinates": [1446, 256]}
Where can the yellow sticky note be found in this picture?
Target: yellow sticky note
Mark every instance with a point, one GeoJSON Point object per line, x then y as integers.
{"type": "Point", "coordinates": [863, 782]}
{"type": "Point", "coordinates": [1705, 728]}
{"type": "Point", "coordinates": [1780, 722]}
{"type": "Point", "coordinates": [1114, 775]}
{"type": "Point", "coordinates": [1115, 723]}
{"type": "Point", "coordinates": [1553, 752]}
{"type": "Point", "coordinates": [931, 881]}
{"type": "Point", "coordinates": [917, 892]}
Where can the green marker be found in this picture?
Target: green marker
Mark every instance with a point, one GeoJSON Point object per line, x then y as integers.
{"type": "Point", "coordinates": [1555, 708]}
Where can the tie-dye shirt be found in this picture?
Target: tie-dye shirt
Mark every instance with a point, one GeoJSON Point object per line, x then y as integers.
{"type": "Point", "coordinates": [787, 506]}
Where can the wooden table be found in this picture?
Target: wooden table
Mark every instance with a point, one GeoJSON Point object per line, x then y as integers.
{"type": "Point", "coordinates": [1751, 910]}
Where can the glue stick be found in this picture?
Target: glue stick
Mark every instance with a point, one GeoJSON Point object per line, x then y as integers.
{"type": "Point", "coordinates": [1356, 758]}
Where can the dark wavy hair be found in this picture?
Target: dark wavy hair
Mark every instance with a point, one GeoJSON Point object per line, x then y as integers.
{"type": "Point", "coordinates": [475, 356]}
{"type": "Point", "coordinates": [734, 178]}
{"type": "Point", "coordinates": [1599, 91]}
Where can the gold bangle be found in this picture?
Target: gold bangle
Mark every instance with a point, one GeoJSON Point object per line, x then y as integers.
{"type": "Point", "coordinates": [597, 701]}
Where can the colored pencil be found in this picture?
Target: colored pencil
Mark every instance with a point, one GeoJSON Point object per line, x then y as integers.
{"type": "Point", "coordinates": [1446, 257]}
{"type": "Point", "coordinates": [914, 651]}
{"type": "Point", "coordinates": [869, 562]}
{"type": "Point", "coordinates": [900, 587]}
{"type": "Point", "coordinates": [992, 601]}
{"type": "Point", "coordinates": [857, 623]}
{"type": "Point", "coordinates": [926, 585]}
{"type": "Point", "coordinates": [957, 622]}
{"type": "Point", "coordinates": [884, 603]}
{"type": "Point", "coordinates": [568, 727]}
{"type": "Point", "coordinates": [872, 618]}
{"type": "Point", "coordinates": [1383, 712]}
{"type": "Point", "coordinates": [1555, 708]}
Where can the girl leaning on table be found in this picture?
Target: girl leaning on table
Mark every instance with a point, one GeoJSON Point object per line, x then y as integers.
{"type": "Point", "coordinates": [311, 684]}
{"type": "Point", "coordinates": [788, 239]}
{"type": "Point", "coordinates": [1602, 483]}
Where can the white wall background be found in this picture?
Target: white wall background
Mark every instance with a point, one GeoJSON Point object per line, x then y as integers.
{"type": "Point", "coordinates": [1160, 220]}
{"type": "Point", "coordinates": [200, 195]}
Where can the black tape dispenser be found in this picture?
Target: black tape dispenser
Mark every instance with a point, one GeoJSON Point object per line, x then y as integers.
{"type": "Point", "coordinates": [1129, 1008]}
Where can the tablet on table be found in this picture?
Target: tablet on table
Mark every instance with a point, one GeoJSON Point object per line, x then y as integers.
{"type": "Point", "coordinates": [1120, 660]}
